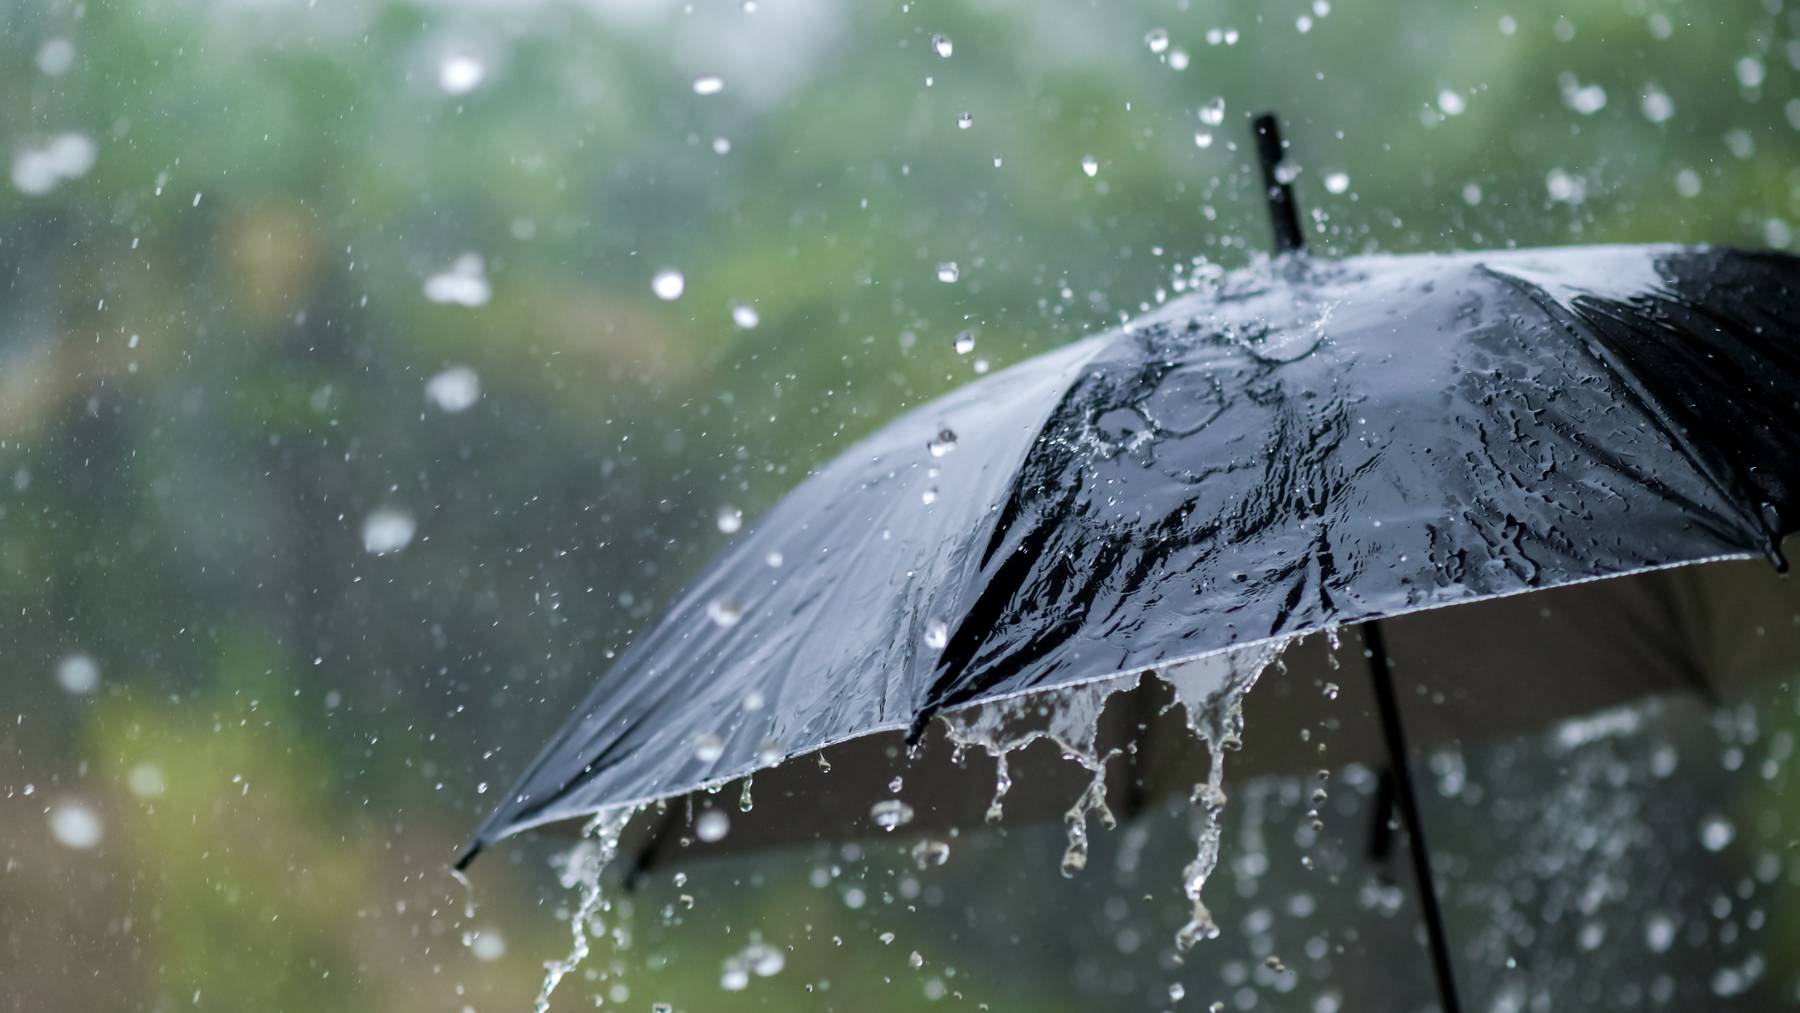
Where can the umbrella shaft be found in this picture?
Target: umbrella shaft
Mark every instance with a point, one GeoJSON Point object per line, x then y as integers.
{"type": "Point", "coordinates": [1395, 736]}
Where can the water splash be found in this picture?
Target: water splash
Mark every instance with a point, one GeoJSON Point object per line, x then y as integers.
{"type": "Point", "coordinates": [1071, 720]}
{"type": "Point", "coordinates": [584, 865]}
{"type": "Point", "coordinates": [1211, 690]}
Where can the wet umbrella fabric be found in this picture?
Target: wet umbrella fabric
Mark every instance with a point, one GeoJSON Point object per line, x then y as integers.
{"type": "Point", "coordinates": [1296, 446]}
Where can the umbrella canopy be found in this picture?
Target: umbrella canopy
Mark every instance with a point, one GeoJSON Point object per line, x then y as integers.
{"type": "Point", "coordinates": [1294, 446]}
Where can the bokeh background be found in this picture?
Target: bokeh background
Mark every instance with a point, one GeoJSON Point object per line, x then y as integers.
{"type": "Point", "coordinates": [346, 432]}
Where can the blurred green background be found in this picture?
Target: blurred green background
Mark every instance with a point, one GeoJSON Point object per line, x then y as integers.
{"type": "Point", "coordinates": [284, 279]}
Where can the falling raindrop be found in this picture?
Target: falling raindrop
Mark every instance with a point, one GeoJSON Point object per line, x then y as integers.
{"type": "Point", "coordinates": [1213, 112]}
{"type": "Point", "coordinates": [774, 559]}
{"type": "Point", "coordinates": [1178, 59]}
{"type": "Point", "coordinates": [78, 674]}
{"type": "Point", "coordinates": [930, 853]}
{"type": "Point", "coordinates": [712, 825]}
{"type": "Point", "coordinates": [744, 315]}
{"type": "Point", "coordinates": [146, 781]}
{"type": "Point", "coordinates": [1203, 138]}
{"type": "Point", "coordinates": [1337, 182]}
{"type": "Point", "coordinates": [668, 284]}
{"type": "Point", "coordinates": [460, 73]}
{"type": "Point", "coordinates": [76, 825]}
{"type": "Point", "coordinates": [463, 283]}
{"type": "Point", "coordinates": [947, 272]}
{"type": "Point", "coordinates": [1157, 39]}
{"type": "Point", "coordinates": [387, 530]}
{"type": "Point", "coordinates": [1716, 833]}
{"type": "Point", "coordinates": [965, 121]}
{"type": "Point", "coordinates": [929, 495]}
{"type": "Point", "coordinates": [729, 519]}
{"type": "Point", "coordinates": [39, 170]}
{"type": "Point", "coordinates": [965, 342]}
{"type": "Point", "coordinates": [454, 390]}
{"type": "Point", "coordinates": [724, 612]}
{"type": "Point", "coordinates": [941, 44]}
{"type": "Point", "coordinates": [1090, 165]}
{"type": "Point", "coordinates": [891, 813]}
{"type": "Point", "coordinates": [708, 747]}
{"type": "Point", "coordinates": [709, 84]}
{"type": "Point", "coordinates": [56, 56]}
{"type": "Point", "coordinates": [942, 444]}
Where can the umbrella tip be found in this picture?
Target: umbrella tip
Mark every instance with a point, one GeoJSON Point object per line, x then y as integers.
{"type": "Point", "coordinates": [1284, 213]}
{"type": "Point", "coordinates": [467, 855]}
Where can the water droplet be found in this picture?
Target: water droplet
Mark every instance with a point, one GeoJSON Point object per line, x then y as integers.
{"type": "Point", "coordinates": [1213, 112]}
{"type": "Point", "coordinates": [941, 44]}
{"type": "Point", "coordinates": [56, 56]}
{"type": "Point", "coordinates": [668, 284]}
{"type": "Point", "coordinates": [1716, 832]}
{"type": "Point", "coordinates": [1450, 103]}
{"type": "Point", "coordinates": [916, 960]}
{"type": "Point", "coordinates": [1157, 39]}
{"type": "Point", "coordinates": [1203, 138]}
{"type": "Point", "coordinates": [730, 519]}
{"type": "Point", "coordinates": [965, 121]}
{"type": "Point", "coordinates": [487, 945]}
{"type": "Point", "coordinates": [724, 612]}
{"type": "Point", "coordinates": [712, 825]}
{"type": "Point", "coordinates": [942, 444]}
{"type": "Point", "coordinates": [463, 283]}
{"type": "Point", "coordinates": [709, 84]}
{"type": "Point", "coordinates": [891, 813]}
{"type": "Point", "coordinates": [460, 73]}
{"type": "Point", "coordinates": [744, 315]}
{"type": "Point", "coordinates": [146, 781]}
{"type": "Point", "coordinates": [387, 530]}
{"type": "Point", "coordinates": [78, 674]}
{"type": "Point", "coordinates": [1337, 182]}
{"type": "Point", "coordinates": [708, 747]}
{"type": "Point", "coordinates": [937, 634]}
{"type": "Point", "coordinates": [454, 390]}
{"type": "Point", "coordinates": [735, 977]}
{"type": "Point", "coordinates": [1177, 992]}
{"type": "Point", "coordinates": [774, 559]}
{"type": "Point", "coordinates": [965, 342]}
{"type": "Point", "coordinates": [39, 170]}
{"type": "Point", "coordinates": [1090, 165]}
{"type": "Point", "coordinates": [1331, 691]}
{"type": "Point", "coordinates": [947, 272]}
{"type": "Point", "coordinates": [1178, 59]}
{"type": "Point", "coordinates": [76, 825]}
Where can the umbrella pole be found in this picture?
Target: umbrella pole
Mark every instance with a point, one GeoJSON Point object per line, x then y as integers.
{"type": "Point", "coordinates": [1395, 737]}
{"type": "Point", "coordinates": [1284, 213]}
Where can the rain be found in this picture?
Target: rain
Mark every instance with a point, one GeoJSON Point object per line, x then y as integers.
{"type": "Point", "coordinates": [790, 506]}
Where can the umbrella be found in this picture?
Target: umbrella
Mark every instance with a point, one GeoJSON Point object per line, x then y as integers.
{"type": "Point", "coordinates": [1291, 448]}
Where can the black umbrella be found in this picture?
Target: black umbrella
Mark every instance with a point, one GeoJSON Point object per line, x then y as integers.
{"type": "Point", "coordinates": [1292, 448]}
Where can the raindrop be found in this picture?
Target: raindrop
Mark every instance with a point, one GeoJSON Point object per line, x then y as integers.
{"type": "Point", "coordinates": [724, 612]}
{"type": "Point", "coordinates": [937, 634]}
{"type": "Point", "coordinates": [1450, 103]}
{"type": "Point", "coordinates": [1178, 59]}
{"type": "Point", "coordinates": [454, 390]}
{"type": "Point", "coordinates": [929, 495]}
{"type": "Point", "coordinates": [39, 170]}
{"type": "Point", "coordinates": [774, 559]}
{"type": "Point", "coordinates": [709, 84]}
{"type": "Point", "coordinates": [1658, 107]}
{"type": "Point", "coordinates": [146, 781]}
{"type": "Point", "coordinates": [1203, 138]}
{"type": "Point", "coordinates": [965, 121]}
{"type": "Point", "coordinates": [460, 73]}
{"type": "Point", "coordinates": [947, 272]}
{"type": "Point", "coordinates": [487, 945]}
{"type": "Point", "coordinates": [712, 825]}
{"type": "Point", "coordinates": [78, 674]}
{"type": "Point", "coordinates": [668, 284]}
{"type": "Point", "coordinates": [735, 977]}
{"type": "Point", "coordinates": [891, 813]}
{"type": "Point", "coordinates": [965, 342]}
{"type": "Point", "coordinates": [1090, 165]}
{"type": "Point", "coordinates": [941, 44]}
{"type": "Point", "coordinates": [1331, 691]}
{"type": "Point", "coordinates": [76, 825]}
{"type": "Point", "coordinates": [463, 283]}
{"type": "Point", "coordinates": [930, 853]}
{"type": "Point", "coordinates": [1716, 832]}
{"type": "Point", "coordinates": [915, 960]}
{"type": "Point", "coordinates": [1337, 182]}
{"type": "Point", "coordinates": [1157, 39]}
{"type": "Point", "coordinates": [1213, 113]}
{"type": "Point", "coordinates": [56, 56]}
{"type": "Point", "coordinates": [708, 747]}
{"type": "Point", "coordinates": [744, 315]}
{"type": "Point", "coordinates": [387, 530]}
{"type": "Point", "coordinates": [730, 519]}
{"type": "Point", "coordinates": [942, 444]}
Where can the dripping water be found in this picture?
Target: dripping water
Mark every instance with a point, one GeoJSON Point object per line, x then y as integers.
{"type": "Point", "coordinates": [586, 863]}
